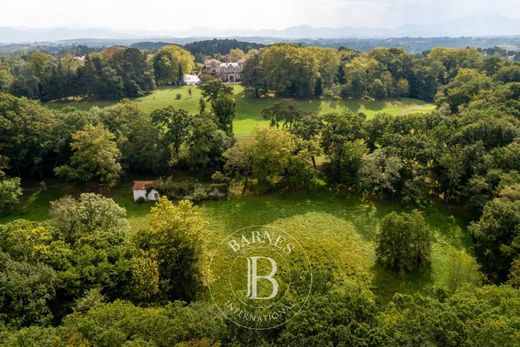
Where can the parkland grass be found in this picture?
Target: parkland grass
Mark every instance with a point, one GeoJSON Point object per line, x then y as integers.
{"type": "Point", "coordinates": [249, 109]}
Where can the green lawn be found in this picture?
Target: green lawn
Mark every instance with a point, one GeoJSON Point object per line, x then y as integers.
{"type": "Point", "coordinates": [250, 109]}
{"type": "Point", "coordinates": [337, 231]}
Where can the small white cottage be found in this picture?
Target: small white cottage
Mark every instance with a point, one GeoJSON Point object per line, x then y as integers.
{"type": "Point", "coordinates": [145, 190]}
{"type": "Point", "coordinates": [191, 80]}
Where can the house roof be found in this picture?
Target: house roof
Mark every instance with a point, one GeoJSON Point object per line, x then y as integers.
{"type": "Point", "coordinates": [141, 185]}
{"type": "Point", "coordinates": [211, 61]}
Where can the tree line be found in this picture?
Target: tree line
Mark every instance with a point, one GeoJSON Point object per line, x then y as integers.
{"type": "Point", "coordinates": [111, 74]}
{"type": "Point", "coordinates": [300, 71]}
{"type": "Point", "coordinates": [286, 70]}
{"type": "Point", "coordinates": [218, 47]}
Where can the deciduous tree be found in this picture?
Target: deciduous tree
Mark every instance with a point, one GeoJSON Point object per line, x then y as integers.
{"type": "Point", "coordinates": [177, 236]}
{"type": "Point", "coordinates": [497, 234]}
{"type": "Point", "coordinates": [95, 157]}
{"type": "Point", "coordinates": [403, 242]}
{"type": "Point", "coordinates": [166, 63]}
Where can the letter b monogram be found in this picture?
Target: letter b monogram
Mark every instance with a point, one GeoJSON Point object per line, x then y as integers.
{"type": "Point", "coordinates": [253, 277]}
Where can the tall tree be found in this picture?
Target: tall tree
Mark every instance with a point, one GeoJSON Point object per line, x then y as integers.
{"type": "Point", "coordinates": [173, 126]}
{"type": "Point", "coordinates": [292, 71]}
{"type": "Point", "coordinates": [404, 242]}
{"type": "Point", "coordinates": [136, 136]}
{"type": "Point", "coordinates": [380, 173]}
{"type": "Point", "coordinates": [100, 252]}
{"type": "Point", "coordinates": [213, 88]}
{"type": "Point", "coordinates": [177, 235]}
{"type": "Point", "coordinates": [25, 135]}
{"type": "Point", "coordinates": [206, 144]}
{"type": "Point", "coordinates": [497, 234]}
{"type": "Point", "coordinates": [403, 88]}
{"type": "Point", "coordinates": [109, 85]}
{"type": "Point", "coordinates": [253, 76]}
{"type": "Point", "coordinates": [169, 62]}
{"type": "Point", "coordinates": [95, 157]}
{"type": "Point", "coordinates": [224, 108]}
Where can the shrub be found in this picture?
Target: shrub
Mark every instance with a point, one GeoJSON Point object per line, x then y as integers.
{"type": "Point", "coordinates": [218, 191]}
{"type": "Point", "coordinates": [195, 191]}
{"type": "Point", "coordinates": [10, 193]}
{"type": "Point", "coordinates": [176, 190]}
{"type": "Point", "coordinates": [334, 92]}
{"type": "Point", "coordinates": [219, 177]}
{"type": "Point", "coordinates": [463, 271]}
{"type": "Point", "coordinates": [199, 193]}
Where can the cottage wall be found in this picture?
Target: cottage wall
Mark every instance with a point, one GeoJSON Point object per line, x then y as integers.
{"type": "Point", "coordinates": [152, 195]}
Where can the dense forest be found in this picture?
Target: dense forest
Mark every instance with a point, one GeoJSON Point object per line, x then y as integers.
{"type": "Point", "coordinates": [202, 49]}
{"type": "Point", "coordinates": [419, 44]}
{"type": "Point", "coordinates": [411, 44]}
{"type": "Point", "coordinates": [81, 278]}
{"type": "Point", "coordinates": [284, 69]}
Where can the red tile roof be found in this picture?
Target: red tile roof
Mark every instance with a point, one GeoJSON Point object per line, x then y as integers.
{"type": "Point", "coordinates": [141, 185]}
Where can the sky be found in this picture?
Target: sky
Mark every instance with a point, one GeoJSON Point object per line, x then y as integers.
{"type": "Point", "coordinates": [175, 15]}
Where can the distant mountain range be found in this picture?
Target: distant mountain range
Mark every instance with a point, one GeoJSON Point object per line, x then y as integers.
{"type": "Point", "coordinates": [489, 24]}
{"type": "Point", "coordinates": [15, 35]}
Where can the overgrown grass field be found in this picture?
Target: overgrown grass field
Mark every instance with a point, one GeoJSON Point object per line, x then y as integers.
{"type": "Point", "coordinates": [249, 110]}
{"type": "Point", "coordinates": [338, 232]}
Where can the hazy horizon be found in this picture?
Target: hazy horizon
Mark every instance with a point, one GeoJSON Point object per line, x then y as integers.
{"type": "Point", "coordinates": [157, 15]}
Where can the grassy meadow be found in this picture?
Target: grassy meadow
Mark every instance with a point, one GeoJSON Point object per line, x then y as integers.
{"type": "Point", "coordinates": [337, 231]}
{"type": "Point", "coordinates": [249, 109]}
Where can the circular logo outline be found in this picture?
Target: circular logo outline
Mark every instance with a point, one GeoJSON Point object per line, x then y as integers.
{"type": "Point", "coordinates": [306, 257]}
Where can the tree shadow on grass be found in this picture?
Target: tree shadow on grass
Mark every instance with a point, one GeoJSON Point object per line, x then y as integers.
{"type": "Point", "coordinates": [386, 283]}
{"type": "Point", "coordinates": [250, 108]}
{"type": "Point", "coordinates": [375, 105]}
{"type": "Point", "coordinates": [445, 224]}
{"type": "Point", "coordinates": [353, 106]}
{"type": "Point", "coordinates": [440, 220]}
{"type": "Point", "coordinates": [364, 215]}
{"type": "Point", "coordinates": [35, 203]}
{"type": "Point", "coordinates": [250, 210]}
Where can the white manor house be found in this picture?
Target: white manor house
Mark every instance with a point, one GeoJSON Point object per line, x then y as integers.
{"type": "Point", "coordinates": [227, 72]}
